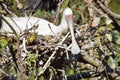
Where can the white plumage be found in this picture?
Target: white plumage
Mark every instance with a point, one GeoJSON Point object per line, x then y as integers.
{"type": "Point", "coordinates": [44, 27]}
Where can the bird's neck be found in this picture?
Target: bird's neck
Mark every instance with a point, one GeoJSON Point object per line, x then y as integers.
{"type": "Point", "coordinates": [63, 27]}
{"type": "Point", "coordinates": [63, 23]}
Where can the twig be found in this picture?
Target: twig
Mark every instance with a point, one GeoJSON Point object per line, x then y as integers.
{"type": "Point", "coordinates": [111, 18]}
{"type": "Point", "coordinates": [24, 46]}
{"type": "Point", "coordinates": [60, 43]}
{"type": "Point", "coordinates": [33, 25]}
{"type": "Point", "coordinates": [47, 64]}
{"type": "Point", "coordinates": [57, 12]}
{"type": "Point", "coordinates": [8, 11]}
{"type": "Point", "coordinates": [112, 15]}
{"type": "Point", "coordinates": [91, 5]}
{"type": "Point", "coordinates": [11, 27]}
{"type": "Point", "coordinates": [1, 71]}
{"type": "Point", "coordinates": [106, 10]}
{"type": "Point", "coordinates": [19, 4]}
{"type": "Point", "coordinates": [52, 30]}
{"type": "Point", "coordinates": [91, 60]}
{"type": "Point", "coordinates": [84, 75]}
{"type": "Point", "coordinates": [89, 74]}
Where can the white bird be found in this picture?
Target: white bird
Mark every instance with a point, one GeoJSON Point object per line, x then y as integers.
{"type": "Point", "coordinates": [45, 27]}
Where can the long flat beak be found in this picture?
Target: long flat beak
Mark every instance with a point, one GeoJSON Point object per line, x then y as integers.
{"type": "Point", "coordinates": [75, 48]}
{"type": "Point", "coordinates": [69, 19]}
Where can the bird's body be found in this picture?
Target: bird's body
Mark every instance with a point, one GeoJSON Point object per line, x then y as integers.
{"type": "Point", "coordinates": [23, 23]}
{"type": "Point", "coordinates": [45, 27]}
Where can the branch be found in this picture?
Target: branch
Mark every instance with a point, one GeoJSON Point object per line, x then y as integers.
{"type": "Point", "coordinates": [112, 15]}
{"type": "Point", "coordinates": [82, 75]}
{"type": "Point", "coordinates": [106, 10]}
{"type": "Point", "coordinates": [90, 74]}
{"type": "Point", "coordinates": [11, 27]}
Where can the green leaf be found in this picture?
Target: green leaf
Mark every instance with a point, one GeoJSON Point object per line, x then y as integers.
{"type": "Point", "coordinates": [32, 38]}
{"type": "Point", "coordinates": [40, 13]}
{"type": "Point", "coordinates": [109, 37]}
{"type": "Point", "coordinates": [31, 76]}
{"type": "Point", "coordinates": [64, 4]}
{"type": "Point", "coordinates": [111, 62]}
{"type": "Point", "coordinates": [69, 71]}
{"type": "Point", "coordinates": [32, 57]}
{"type": "Point", "coordinates": [40, 70]}
{"type": "Point", "coordinates": [101, 29]}
{"type": "Point", "coordinates": [28, 63]}
{"type": "Point", "coordinates": [3, 43]}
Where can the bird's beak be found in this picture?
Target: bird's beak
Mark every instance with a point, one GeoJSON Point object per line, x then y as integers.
{"type": "Point", "coordinates": [75, 48]}
{"type": "Point", "coordinates": [69, 19]}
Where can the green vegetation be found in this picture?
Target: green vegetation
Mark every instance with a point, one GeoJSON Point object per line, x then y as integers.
{"type": "Point", "coordinates": [46, 58]}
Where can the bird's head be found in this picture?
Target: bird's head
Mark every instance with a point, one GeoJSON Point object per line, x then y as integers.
{"type": "Point", "coordinates": [67, 19]}
{"type": "Point", "coordinates": [68, 14]}
{"type": "Point", "coordinates": [68, 11]}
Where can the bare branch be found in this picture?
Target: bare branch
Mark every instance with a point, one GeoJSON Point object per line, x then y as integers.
{"type": "Point", "coordinates": [108, 11]}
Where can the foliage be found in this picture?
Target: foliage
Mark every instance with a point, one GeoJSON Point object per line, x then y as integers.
{"type": "Point", "coordinates": [48, 58]}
